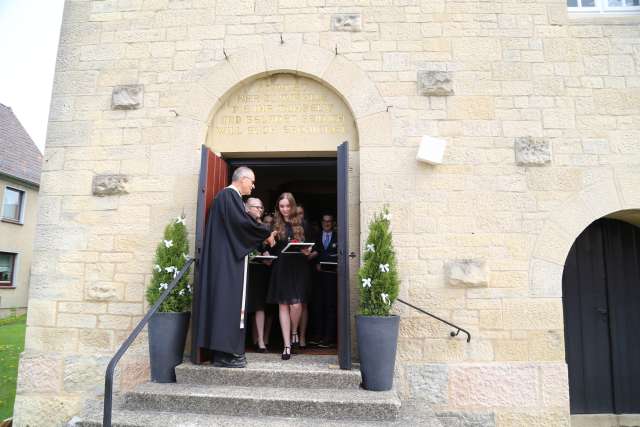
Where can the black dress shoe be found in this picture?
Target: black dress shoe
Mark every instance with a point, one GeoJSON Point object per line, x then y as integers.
{"type": "Point", "coordinates": [227, 360]}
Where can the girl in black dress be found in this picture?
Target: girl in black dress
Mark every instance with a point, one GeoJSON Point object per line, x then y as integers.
{"type": "Point", "coordinates": [290, 282]}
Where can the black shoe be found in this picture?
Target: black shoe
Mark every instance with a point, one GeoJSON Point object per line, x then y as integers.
{"type": "Point", "coordinates": [261, 349]}
{"type": "Point", "coordinates": [227, 360]}
{"type": "Point", "coordinates": [326, 344]}
{"type": "Point", "coordinates": [295, 341]}
{"type": "Point", "coordinates": [286, 353]}
{"type": "Point", "coordinates": [313, 342]}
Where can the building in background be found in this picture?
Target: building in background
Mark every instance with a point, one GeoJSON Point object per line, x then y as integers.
{"type": "Point", "coordinates": [20, 167]}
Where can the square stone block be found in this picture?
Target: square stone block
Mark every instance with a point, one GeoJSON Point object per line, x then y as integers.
{"type": "Point", "coordinates": [127, 97]}
{"type": "Point", "coordinates": [346, 22]}
{"type": "Point", "coordinates": [467, 273]}
{"type": "Point", "coordinates": [531, 151]}
{"type": "Point", "coordinates": [435, 83]}
{"type": "Point", "coordinates": [109, 185]}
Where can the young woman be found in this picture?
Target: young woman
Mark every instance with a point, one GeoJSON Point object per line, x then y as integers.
{"type": "Point", "coordinates": [290, 282]}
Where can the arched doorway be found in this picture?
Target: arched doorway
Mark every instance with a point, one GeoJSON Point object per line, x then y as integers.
{"type": "Point", "coordinates": [295, 132]}
{"type": "Point", "coordinates": [601, 299]}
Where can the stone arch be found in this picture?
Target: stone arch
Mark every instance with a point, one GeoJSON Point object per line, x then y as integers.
{"type": "Point", "coordinates": [611, 196]}
{"type": "Point", "coordinates": [209, 86]}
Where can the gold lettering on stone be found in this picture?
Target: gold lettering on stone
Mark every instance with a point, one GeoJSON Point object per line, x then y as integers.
{"type": "Point", "coordinates": [282, 112]}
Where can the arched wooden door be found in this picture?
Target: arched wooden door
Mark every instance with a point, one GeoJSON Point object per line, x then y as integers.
{"type": "Point", "coordinates": [601, 298]}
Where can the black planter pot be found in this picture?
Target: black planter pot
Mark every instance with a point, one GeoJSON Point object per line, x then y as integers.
{"type": "Point", "coordinates": [167, 335]}
{"type": "Point", "coordinates": [377, 343]}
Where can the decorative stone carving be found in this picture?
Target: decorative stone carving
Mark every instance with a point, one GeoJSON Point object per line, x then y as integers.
{"type": "Point", "coordinates": [346, 22]}
{"type": "Point", "coordinates": [435, 83]}
{"type": "Point", "coordinates": [109, 185]}
{"type": "Point", "coordinates": [127, 97]}
{"type": "Point", "coordinates": [467, 273]}
{"type": "Point", "coordinates": [532, 151]}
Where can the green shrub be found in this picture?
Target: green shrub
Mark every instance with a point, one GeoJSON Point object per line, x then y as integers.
{"type": "Point", "coordinates": [171, 255]}
{"type": "Point", "coordinates": [378, 275]}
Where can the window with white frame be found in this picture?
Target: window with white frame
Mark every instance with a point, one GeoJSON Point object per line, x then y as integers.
{"type": "Point", "coordinates": [13, 204]}
{"type": "Point", "coordinates": [7, 269]}
{"type": "Point", "coordinates": [604, 6]}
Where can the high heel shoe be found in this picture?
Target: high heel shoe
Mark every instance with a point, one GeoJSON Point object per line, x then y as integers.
{"type": "Point", "coordinates": [286, 355]}
{"type": "Point", "coordinates": [295, 341]}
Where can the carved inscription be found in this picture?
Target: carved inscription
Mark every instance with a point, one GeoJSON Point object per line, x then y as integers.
{"type": "Point", "coordinates": [290, 107]}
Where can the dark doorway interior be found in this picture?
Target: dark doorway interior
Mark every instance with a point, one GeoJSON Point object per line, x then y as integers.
{"type": "Point", "coordinates": [313, 183]}
{"type": "Point", "coordinates": [601, 299]}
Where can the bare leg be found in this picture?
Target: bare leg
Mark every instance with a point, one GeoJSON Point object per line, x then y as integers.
{"type": "Point", "coordinates": [259, 323]}
{"type": "Point", "coordinates": [285, 324]}
{"type": "Point", "coordinates": [296, 312]}
{"type": "Point", "coordinates": [304, 321]}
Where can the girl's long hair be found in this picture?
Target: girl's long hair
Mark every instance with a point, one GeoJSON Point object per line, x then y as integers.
{"type": "Point", "coordinates": [294, 219]}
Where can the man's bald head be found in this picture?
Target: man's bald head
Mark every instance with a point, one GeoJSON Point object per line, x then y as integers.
{"type": "Point", "coordinates": [243, 179]}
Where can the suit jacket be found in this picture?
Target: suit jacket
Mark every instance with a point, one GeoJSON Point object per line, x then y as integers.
{"type": "Point", "coordinates": [329, 254]}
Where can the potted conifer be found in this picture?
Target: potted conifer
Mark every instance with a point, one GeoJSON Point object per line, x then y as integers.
{"type": "Point", "coordinates": [376, 328]}
{"type": "Point", "coordinates": [168, 327]}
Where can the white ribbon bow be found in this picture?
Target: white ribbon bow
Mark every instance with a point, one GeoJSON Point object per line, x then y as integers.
{"type": "Point", "coordinates": [168, 243]}
{"type": "Point", "coordinates": [384, 268]}
{"type": "Point", "coordinates": [371, 247]}
{"type": "Point", "coordinates": [180, 220]}
{"type": "Point", "coordinates": [366, 283]}
{"type": "Point", "coordinates": [385, 298]}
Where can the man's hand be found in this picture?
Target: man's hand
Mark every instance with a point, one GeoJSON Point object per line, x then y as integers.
{"type": "Point", "coordinates": [271, 240]}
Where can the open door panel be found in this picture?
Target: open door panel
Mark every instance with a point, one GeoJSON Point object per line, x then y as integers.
{"type": "Point", "coordinates": [214, 176]}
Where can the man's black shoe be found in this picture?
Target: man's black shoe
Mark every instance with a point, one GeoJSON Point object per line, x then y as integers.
{"type": "Point", "coordinates": [326, 344]}
{"type": "Point", "coordinates": [227, 360]}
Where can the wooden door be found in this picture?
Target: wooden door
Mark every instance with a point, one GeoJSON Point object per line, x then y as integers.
{"type": "Point", "coordinates": [214, 176]}
{"type": "Point", "coordinates": [344, 317]}
{"type": "Point", "coordinates": [601, 296]}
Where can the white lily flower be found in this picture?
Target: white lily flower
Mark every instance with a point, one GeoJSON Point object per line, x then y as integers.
{"type": "Point", "coordinates": [181, 293]}
{"type": "Point", "coordinates": [384, 268]}
{"type": "Point", "coordinates": [157, 268]}
{"type": "Point", "coordinates": [163, 286]}
{"type": "Point", "coordinates": [386, 216]}
{"type": "Point", "coordinates": [385, 298]}
{"type": "Point", "coordinates": [370, 247]}
{"type": "Point", "coordinates": [168, 243]}
{"type": "Point", "coordinates": [366, 283]}
{"type": "Point", "coordinates": [180, 220]}
{"type": "Point", "coordinates": [186, 257]}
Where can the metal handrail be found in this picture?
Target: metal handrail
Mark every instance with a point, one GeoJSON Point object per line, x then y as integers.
{"type": "Point", "coordinates": [452, 333]}
{"type": "Point", "coordinates": [108, 378]}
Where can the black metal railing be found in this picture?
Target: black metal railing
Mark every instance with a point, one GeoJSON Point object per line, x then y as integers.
{"type": "Point", "coordinates": [452, 333]}
{"type": "Point", "coordinates": [108, 378]}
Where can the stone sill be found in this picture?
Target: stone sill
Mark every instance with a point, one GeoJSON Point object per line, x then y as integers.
{"type": "Point", "coordinates": [605, 420]}
{"type": "Point", "coordinates": [603, 19]}
{"type": "Point", "coordinates": [11, 221]}
{"type": "Point", "coordinates": [7, 287]}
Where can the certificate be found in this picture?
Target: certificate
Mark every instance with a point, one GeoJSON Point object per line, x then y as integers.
{"type": "Point", "coordinates": [295, 248]}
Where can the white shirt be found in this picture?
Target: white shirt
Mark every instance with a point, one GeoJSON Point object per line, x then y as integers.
{"type": "Point", "coordinates": [237, 191]}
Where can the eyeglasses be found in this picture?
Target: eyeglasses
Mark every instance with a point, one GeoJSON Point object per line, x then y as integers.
{"type": "Point", "coordinates": [257, 207]}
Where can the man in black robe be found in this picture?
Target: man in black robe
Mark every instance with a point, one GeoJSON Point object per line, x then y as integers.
{"type": "Point", "coordinates": [231, 234]}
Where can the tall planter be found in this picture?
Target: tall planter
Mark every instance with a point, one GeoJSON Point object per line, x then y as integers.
{"type": "Point", "coordinates": [167, 336]}
{"type": "Point", "coordinates": [377, 344]}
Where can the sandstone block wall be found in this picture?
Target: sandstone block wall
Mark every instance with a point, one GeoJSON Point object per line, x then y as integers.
{"type": "Point", "coordinates": [513, 71]}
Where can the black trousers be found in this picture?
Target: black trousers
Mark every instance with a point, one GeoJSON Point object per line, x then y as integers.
{"type": "Point", "coordinates": [323, 308]}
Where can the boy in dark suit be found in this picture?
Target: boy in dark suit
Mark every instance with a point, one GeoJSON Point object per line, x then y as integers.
{"type": "Point", "coordinates": [324, 308]}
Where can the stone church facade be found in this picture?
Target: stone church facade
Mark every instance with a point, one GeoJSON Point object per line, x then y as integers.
{"type": "Point", "coordinates": [540, 112]}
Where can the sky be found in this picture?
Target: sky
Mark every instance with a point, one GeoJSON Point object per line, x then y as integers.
{"type": "Point", "coordinates": [29, 33]}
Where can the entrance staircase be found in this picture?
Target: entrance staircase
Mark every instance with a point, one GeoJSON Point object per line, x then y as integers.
{"type": "Point", "coordinates": [306, 390]}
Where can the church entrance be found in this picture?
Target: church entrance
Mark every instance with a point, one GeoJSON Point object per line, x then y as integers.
{"type": "Point", "coordinates": [292, 131]}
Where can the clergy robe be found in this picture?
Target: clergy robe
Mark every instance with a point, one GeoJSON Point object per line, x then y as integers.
{"type": "Point", "coordinates": [231, 234]}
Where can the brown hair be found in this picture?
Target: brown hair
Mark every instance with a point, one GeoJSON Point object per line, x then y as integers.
{"type": "Point", "coordinates": [294, 219]}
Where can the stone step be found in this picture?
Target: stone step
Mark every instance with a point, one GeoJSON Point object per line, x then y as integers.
{"type": "Point", "coordinates": [268, 370]}
{"type": "Point", "coordinates": [347, 404]}
{"type": "Point", "coordinates": [124, 418]}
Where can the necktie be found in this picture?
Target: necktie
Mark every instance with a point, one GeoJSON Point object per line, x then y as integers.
{"type": "Point", "coordinates": [325, 240]}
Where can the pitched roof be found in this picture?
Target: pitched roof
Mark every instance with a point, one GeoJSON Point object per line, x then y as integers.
{"type": "Point", "coordinates": [19, 156]}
